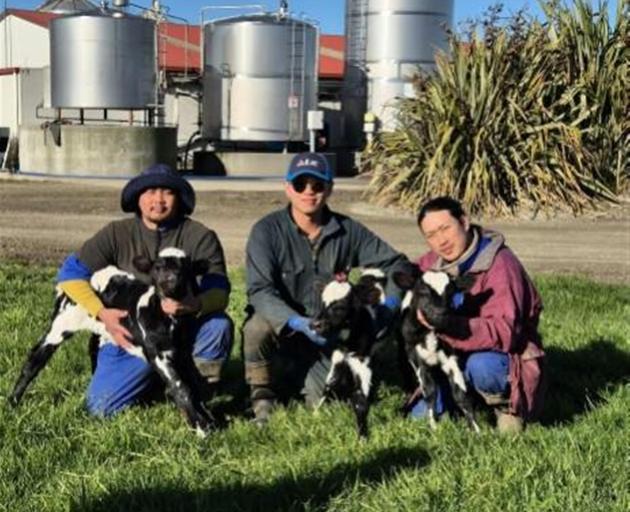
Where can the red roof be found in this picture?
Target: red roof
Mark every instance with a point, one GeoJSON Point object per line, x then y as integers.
{"type": "Point", "coordinates": [179, 47]}
{"type": "Point", "coordinates": [36, 17]}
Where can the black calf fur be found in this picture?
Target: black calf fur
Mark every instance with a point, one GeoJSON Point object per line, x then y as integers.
{"type": "Point", "coordinates": [431, 293]}
{"type": "Point", "coordinates": [158, 338]}
{"type": "Point", "coordinates": [346, 320]}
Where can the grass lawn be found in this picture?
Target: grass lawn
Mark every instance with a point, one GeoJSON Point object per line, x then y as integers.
{"type": "Point", "coordinates": [54, 457]}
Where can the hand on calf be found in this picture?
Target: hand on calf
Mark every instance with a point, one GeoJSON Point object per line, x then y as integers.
{"type": "Point", "coordinates": [175, 308]}
{"type": "Point", "coordinates": [111, 318]}
{"type": "Point", "coordinates": [303, 324]}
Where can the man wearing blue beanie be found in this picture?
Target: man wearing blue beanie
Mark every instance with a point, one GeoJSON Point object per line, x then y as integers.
{"type": "Point", "coordinates": [161, 201]}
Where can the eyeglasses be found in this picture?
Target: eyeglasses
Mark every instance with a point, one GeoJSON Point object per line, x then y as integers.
{"type": "Point", "coordinates": [299, 184]}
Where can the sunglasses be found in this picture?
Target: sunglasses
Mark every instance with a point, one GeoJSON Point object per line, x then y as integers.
{"type": "Point", "coordinates": [299, 184]}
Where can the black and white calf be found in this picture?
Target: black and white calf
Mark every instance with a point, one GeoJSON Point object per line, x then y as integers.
{"type": "Point", "coordinates": [158, 338]}
{"type": "Point", "coordinates": [348, 321]}
{"type": "Point", "coordinates": [432, 293]}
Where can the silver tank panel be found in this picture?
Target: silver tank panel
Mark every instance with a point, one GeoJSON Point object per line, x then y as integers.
{"type": "Point", "coordinates": [260, 78]}
{"type": "Point", "coordinates": [102, 61]}
{"type": "Point", "coordinates": [67, 6]}
{"type": "Point", "coordinates": [389, 40]}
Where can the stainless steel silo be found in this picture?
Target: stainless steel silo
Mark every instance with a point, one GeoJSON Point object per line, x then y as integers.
{"type": "Point", "coordinates": [66, 6]}
{"type": "Point", "coordinates": [100, 60]}
{"type": "Point", "coordinates": [260, 78]}
{"type": "Point", "coordinates": [388, 40]}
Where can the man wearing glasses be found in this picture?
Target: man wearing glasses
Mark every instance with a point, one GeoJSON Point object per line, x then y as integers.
{"type": "Point", "coordinates": [291, 254]}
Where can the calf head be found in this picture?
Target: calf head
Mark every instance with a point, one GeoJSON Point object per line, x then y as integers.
{"type": "Point", "coordinates": [432, 292]}
{"type": "Point", "coordinates": [172, 273]}
{"type": "Point", "coordinates": [342, 302]}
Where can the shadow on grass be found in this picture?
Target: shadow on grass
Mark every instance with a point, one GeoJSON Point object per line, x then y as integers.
{"type": "Point", "coordinates": [300, 493]}
{"type": "Point", "coordinates": [577, 378]}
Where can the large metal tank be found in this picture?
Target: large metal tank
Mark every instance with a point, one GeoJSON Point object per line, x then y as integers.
{"type": "Point", "coordinates": [66, 6]}
{"type": "Point", "coordinates": [260, 78]}
{"type": "Point", "coordinates": [388, 40]}
{"type": "Point", "coordinates": [102, 60]}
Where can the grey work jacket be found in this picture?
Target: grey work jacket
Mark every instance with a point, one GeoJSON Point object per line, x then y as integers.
{"type": "Point", "coordinates": [286, 272]}
{"type": "Point", "coordinates": [122, 240]}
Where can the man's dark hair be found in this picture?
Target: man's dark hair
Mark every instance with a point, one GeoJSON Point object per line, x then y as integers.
{"type": "Point", "coordinates": [441, 203]}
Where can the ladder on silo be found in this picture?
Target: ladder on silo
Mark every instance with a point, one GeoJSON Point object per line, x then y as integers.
{"type": "Point", "coordinates": [297, 80]}
{"type": "Point", "coordinates": [357, 31]}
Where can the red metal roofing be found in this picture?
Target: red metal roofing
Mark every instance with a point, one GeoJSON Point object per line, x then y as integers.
{"type": "Point", "coordinates": [179, 45]}
{"type": "Point", "coordinates": [36, 17]}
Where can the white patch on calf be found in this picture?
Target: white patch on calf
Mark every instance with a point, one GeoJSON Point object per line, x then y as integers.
{"type": "Point", "coordinates": [163, 362]}
{"type": "Point", "coordinates": [70, 319]}
{"type": "Point", "coordinates": [144, 299]}
{"type": "Point", "coordinates": [361, 368]}
{"type": "Point", "coordinates": [406, 303]}
{"type": "Point", "coordinates": [436, 280]}
{"type": "Point", "coordinates": [335, 291]}
{"type": "Point", "coordinates": [428, 353]}
{"type": "Point", "coordinates": [337, 357]}
{"type": "Point", "coordinates": [143, 302]}
{"type": "Point", "coordinates": [376, 272]}
{"type": "Point", "coordinates": [450, 367]}
{"type": "Point", "coordinates": [101, 278]}
{"type": "Point", "coordinates": [172, 252]}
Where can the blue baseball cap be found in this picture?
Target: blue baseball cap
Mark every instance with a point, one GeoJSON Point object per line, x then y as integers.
{"type": "Point", "coordinates": [158, 176]}
{"type": "Point", "coordinates": [312, 164]}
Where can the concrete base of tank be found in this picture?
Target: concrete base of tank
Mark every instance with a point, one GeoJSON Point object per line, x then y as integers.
{"type": "Point", "coordinates": [235, 163]}
{"type": "Point", "coordinates": [95, 150]}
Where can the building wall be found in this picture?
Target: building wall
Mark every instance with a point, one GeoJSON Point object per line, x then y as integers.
{"type": "Point", "coordinates": [8, 102]}
{"type": "Point", "coordinates": [181, 108]}
{"type": "Point", "coordinates": [23, 44]}
{"type": "Point", "coordinates": [20, 94]}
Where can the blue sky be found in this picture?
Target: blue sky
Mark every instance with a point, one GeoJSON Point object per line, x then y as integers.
{"type": "Point", "coordinates": [328, 12]}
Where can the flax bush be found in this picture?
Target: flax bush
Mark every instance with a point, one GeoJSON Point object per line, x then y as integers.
{"type": "Point", "coordinates": [524, 114]}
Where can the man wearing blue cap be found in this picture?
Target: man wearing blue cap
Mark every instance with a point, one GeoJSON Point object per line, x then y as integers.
{"type": "Point", "coordinates": [162, 201]}
{"type": "Point", "coordinates": [291, 254]}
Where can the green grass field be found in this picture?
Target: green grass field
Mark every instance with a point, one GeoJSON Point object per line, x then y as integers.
{"type": "Point", "coordinates": [54, 457]}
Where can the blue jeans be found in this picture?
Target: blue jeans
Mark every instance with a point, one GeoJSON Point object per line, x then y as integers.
{"type": "Point", "coordinates": [486, 372]}
{"type": "Point", "coordinates": [121, 379]}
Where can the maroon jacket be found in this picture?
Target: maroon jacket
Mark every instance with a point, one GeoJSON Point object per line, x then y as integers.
{"type": "Point", "coordinates": [502, 310]}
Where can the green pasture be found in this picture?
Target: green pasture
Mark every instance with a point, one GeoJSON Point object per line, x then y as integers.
{"type": "Point", "coordinates": [54, 457]}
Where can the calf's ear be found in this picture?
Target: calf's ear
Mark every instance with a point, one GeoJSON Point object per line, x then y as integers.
{"type": "Point", "coordinates": [143, 264]}
{"type": "Point", "coordinates": [406, 277]}
{"type": "Point", "coordinates": [465, 282]}
{"type": "Point", "coordinates": [367, 293]}
{"type": "Point", "coordinates": [200, 267]}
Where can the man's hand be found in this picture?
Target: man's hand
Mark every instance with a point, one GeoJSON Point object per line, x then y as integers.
{"type": "Point", "coordinates": [175, 308]}
{"type": "Point", "coordinates": [303, 324]}
{"type": "Point", "coordinates": [111, 319]}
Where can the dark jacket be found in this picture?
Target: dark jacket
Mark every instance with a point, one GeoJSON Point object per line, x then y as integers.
{"type": "Point", "coordinates": [120, 241]}
{"type": "Point", "coordinates": [286, 272]}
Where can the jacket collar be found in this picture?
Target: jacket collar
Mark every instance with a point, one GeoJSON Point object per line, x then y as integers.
{"type": "Point", "coordinates": [331, 223]}
{"type": "Point", "coordinates": [479, 255]}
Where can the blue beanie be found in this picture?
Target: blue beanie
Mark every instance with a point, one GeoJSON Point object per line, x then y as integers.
{"type": "Point", "coordinates": [157, 176]}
